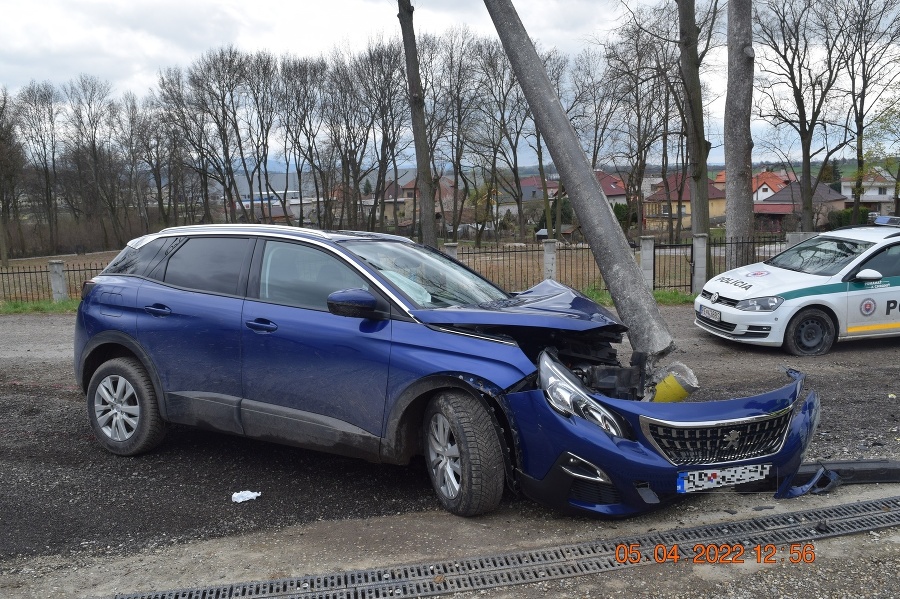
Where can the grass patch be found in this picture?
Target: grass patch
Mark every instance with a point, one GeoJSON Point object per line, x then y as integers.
{"type": "Point", "coordinates": [665, 297]}
{"type": "Point", "coordinates": [68, 306]}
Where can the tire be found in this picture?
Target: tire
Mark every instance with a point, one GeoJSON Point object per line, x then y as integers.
{"type": "Point", "coordinates": [463, 454]}
{"type": "Point", "coordinates": [122, 408]}
{"type": "Point", "coordinates": [810, 333]}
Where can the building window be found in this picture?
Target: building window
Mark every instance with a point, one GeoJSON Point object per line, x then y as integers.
{"type": "Point", "coordinates": [882, 191]}
{"type": "Point", "coordinates": [765, 190]}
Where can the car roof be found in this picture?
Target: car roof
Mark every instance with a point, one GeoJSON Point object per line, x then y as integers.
{"type": "Point", "coordinates": [870, 233]}
{"type": "Point", "coordinates": [261, 229]}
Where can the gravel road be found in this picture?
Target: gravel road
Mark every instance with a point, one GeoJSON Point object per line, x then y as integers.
{"type": "Point", "coordinates": [79, 522]}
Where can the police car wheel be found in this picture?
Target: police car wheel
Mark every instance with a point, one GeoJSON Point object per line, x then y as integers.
{"type": "Point", "coordinates": [810, 333]}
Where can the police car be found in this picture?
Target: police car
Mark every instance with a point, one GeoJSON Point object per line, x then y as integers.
{"type": "Point", "coordinates": [840, 285]}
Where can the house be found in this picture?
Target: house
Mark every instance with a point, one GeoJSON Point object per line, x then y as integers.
{"type": "Point", "coordinates": [877, 190]}
{"type": "Point", "coordinates": [771, 213]}
{"type": "Point", "coordinates": [762, 185]}
{"type": "Point", "coordinates": [612, 187]}
{"type": "Point", "coordinates": [657, 212]}
{"type": "Point", "coordinates": [766, 184]}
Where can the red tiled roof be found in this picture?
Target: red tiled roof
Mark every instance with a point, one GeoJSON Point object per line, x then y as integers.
{"type": "Point", "coordinates": [771, 180]}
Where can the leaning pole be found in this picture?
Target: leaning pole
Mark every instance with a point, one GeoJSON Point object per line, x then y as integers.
{"type": "Point", "coordinates": [633, 299]}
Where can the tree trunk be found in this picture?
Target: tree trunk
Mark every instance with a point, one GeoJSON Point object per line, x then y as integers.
{"type": "Point", "coordinates": [738, 140]}
{"type": "Point", "coordinates": [698, 146]}
{"type": "Point", "coordinates": [417, 108]}
{"type": "Point", "coordinates": [632, 297]}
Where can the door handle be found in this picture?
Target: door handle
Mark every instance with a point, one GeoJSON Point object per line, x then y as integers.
{"type": "Point", "coordinates": [157, 310]}
{"type": "Point", "coordinates": [261, 325]}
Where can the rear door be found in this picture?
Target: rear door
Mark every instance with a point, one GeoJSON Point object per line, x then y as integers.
{"type": "Point", "coordinates": [311, 378]}
{"type": "Point", "coordinates": [189, 322]}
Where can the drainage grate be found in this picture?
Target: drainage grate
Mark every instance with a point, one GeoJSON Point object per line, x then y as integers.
{"type": "Point", "coordinates": [422, 580]}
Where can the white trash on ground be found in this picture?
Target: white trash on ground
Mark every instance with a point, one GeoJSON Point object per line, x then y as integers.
{"type": "Point", "coordinates": [242, 496]}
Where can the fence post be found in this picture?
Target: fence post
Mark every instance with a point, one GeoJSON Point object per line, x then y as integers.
{"type": "Point", "coordinates": [648, 249]}
{"type": "Point", "coordinates": [450, 250]}
{"type": "Point", "coordinates": [699, 271]}
{"type": "Point", "coordinates": [550, 259]}
{"type": "Point", "coordinates": [58, 281]}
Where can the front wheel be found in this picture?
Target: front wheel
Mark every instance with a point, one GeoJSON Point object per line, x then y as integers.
{"type": "Point", "coordinates": [122, 408]}
{"type": "Point", "coordinates": [465, 460]}
{"type": "Point", "coordinates": [810, 333]}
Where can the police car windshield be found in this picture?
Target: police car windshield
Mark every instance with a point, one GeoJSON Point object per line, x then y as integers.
{"type": "Point", "coordinates": [824, 256]}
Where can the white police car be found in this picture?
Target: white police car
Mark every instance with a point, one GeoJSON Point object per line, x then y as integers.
{"type": "Point", "coordinates": [844, 284]}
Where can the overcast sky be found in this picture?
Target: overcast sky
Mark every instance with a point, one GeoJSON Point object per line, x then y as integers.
{"type": "Point", "coordinates": [127, 42]}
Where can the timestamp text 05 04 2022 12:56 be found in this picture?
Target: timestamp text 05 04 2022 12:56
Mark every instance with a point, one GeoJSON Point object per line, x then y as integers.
{"type": "Point", "coordinates": [715, 553]}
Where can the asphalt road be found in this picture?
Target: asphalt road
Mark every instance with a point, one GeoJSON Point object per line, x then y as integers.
{"type": "Point", "coordinates": [78, 521]}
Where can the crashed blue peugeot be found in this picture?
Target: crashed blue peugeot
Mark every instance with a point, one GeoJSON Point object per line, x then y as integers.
{"type": "Point", "coordinates": [374, 347]}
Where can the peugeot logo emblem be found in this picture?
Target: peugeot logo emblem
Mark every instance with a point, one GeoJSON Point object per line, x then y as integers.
{"type": "Point", "coordinates": [732, 439]}
{"type": "Point", "coordinates": [714, 297]}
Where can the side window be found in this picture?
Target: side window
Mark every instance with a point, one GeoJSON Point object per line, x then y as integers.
{"type": "Point", "coordinates": [211, 264]}
{"type": "Point", "coordinates": [299, 275]}
{"type": "Point", "coordinates": [887, 262]}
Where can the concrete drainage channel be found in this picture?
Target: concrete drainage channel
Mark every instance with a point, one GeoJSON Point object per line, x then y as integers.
{"type": "Point", "coordinates": [756, 540]}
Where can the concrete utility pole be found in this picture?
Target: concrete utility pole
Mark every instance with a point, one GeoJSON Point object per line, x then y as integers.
{"type": "Point", "coordinates": [632, 297]}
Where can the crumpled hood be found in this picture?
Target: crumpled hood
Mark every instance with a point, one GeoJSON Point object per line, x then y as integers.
{"type": "Point", "coordinates": [548, 305]}
{"type": "Point", "coordinates": [759, 280]}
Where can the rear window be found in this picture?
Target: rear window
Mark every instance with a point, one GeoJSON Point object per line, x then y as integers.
{"type": "Point", "coordinates": [134, 261]}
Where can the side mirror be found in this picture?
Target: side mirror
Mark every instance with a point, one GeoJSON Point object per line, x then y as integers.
{"type": "Point", "coordinates": [868, 274]}
{"type": "Point", "coordinates": [355, 303]}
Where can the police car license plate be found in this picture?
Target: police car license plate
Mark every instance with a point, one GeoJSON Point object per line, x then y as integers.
{"type": "Point", "coordinates": [699, 480]}
{"type": "Point", "coordinates": [710, 313]}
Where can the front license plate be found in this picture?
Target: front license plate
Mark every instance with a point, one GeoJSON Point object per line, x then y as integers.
{"type": "Point", "coordinates": [699, 480]}
{"type": "Point", "coordinates": [711, 314]}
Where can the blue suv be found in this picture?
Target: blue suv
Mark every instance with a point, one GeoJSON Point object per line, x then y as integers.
{"type": "Point", "coordinates": [371, 346]}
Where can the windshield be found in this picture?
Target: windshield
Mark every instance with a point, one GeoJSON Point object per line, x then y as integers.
{"type": "Point", "coordinates": [426, 277]}
{"type": "Point", "coordinates": [820, 255]}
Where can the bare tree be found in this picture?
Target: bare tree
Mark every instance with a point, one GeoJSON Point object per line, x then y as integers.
{"type": "Point", "coordinates": [595, 104]}
{"type": "Point", "coordinates": [634, 75]}
{"type": "Point", "coordinates": [38, 114]}
{"type": "Point", "coordinates": [693, 49]}
{"type": "Point", "coordinates": [873, 65]}
{"type": "Point", "coordinates": [381, 76]}
{"type": "Point", "coordinates": [93, 176]}
{"type": "Point", "coordinates": [804, 55]}
{"type": "Point", "coordinates": [458, 85]}
{"type": "Point", "coordinates": [215, 83]}
{"type": "Point", "coordinates": [12, 164]}
{"type": "Point", "coordinates": [738, 139]}
{"type": "Point", "coordinates": [417, 108]}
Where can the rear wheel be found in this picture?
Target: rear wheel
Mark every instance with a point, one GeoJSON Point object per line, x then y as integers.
{"type": "Point", "coordinates": [810, 333]}
{"type": "Point", "coordinates": [122, 408]}
{"type": "Point", "coordinates": [465, 460]}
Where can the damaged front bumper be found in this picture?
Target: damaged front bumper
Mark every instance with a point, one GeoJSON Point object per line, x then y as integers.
{"type": "Point", "coordinates": [665, 449]}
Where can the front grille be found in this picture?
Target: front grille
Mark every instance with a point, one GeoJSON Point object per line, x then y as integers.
{"type": "Point", "coordinates": [594, 492]}
{"type": "Point", "coordinates": [685, 444]}
{"type": "Point", "coordinates": [726, 327]}
{"type": "Point", "coordinates": [725, 301]}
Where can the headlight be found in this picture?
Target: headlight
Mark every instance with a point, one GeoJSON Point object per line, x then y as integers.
{"type": "Point", "coordinates": [759, 304]}
{"type": "Point", "coordinates": [567, 395]}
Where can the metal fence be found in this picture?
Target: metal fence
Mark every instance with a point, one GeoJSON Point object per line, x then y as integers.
{"type": "Point", "coordinates": [32, 283]}
{"type": "Point", "coordinates": [514, 267]}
